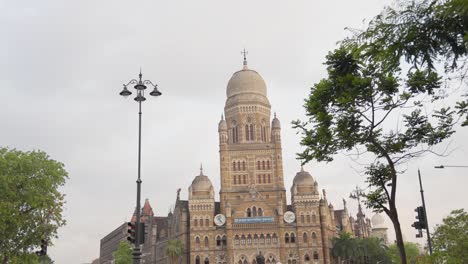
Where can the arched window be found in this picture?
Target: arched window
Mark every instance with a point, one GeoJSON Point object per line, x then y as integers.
{"type": "Point", "coordinates": [262, 239]}
{"type": "Point", "coordinates": [236, 240]}
{"type": "Point", "coordinates": [268, 164]}
{"type": "Point", "coordinates": [207, 261]}
{"type": "Point", "coordinates": [243, 165]}
{"type": "Point", "coordinates": [218, 241]}
{"type": "Point", "coordinates": [224, 240]}
{"type": "Point", "coordinates": [304, 237]}
{"type": "Point", "coordinates": [306, 257]}
{"type": "Point", "coordinates": [286, 238]}
{"type": "Point", "coordinates": [314, 239]}
{"type": "Point", "coordinates": [197, 241]}
{"type": "Point", "coordinates": [242, 240]}
{"type": "Point", "coordinates": [308, 218]}
{"type": "Point", "coordinates": [293, 238]}
{"type": "Point", "coordinates": [268, 239]}
{"type": "Point", "coordinates": [275, 239]}
{"type": "Point", "coordinates": [197, 260]}
{"type": "Point", "coordinates": [302, 218]}
{"type": "Point", "coordinates": [254, 211]}
{"type": "Point", "coordinates": [238, 165]}
{"type": "Point", "coordinates": [201, 222]}
{"type": "Point", "coordinates": [264, 180]}
{"type": "Point", "coordinates": [314, 218]}
{"type": "Point", "coordinates": [206, 242]}
{"type": "Point", "coordinates": [207, 222]}
{"type": "Point", "coordinates": [316, 255]}
{"type": "Point", "coordinates": [234, 166]}
{"type": "Point", "coordinates": [247, 134]}
{"type": "Point", "coordinates": [244, 177]}
{"type": "Point", "coordinates": [255, 239]}
{"type": "Point", "coordinates": [260, 212]}
{"type": "Point", "coordinates": [258, 164]}
{"type": "Point", "coordinates": [269, 178]}
{"type": "Point", "coordinates": [263, 164]}
{"type": "Point", "coordinates": [249, 212]}
{"type": "Point", "coordinates": [259, 178]}
{"type": "Point", "coordinates": [249, 240]}
{"type": "Point", "coordinates": [195, 222]}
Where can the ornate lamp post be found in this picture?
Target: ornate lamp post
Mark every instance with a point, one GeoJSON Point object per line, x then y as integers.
{"type": "Point", "coordinates": [140, 87]}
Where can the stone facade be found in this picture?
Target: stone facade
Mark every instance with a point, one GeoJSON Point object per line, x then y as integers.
{"type": "Point", "coordinates": [252, 194]}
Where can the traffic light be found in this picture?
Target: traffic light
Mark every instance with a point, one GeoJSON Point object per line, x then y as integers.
{"type": "Point", "coordinates": [420, 224]}
{"type": "Point", "coordinates": [132, 232]}
{"type": "Point", "coordinates": [43, 250]}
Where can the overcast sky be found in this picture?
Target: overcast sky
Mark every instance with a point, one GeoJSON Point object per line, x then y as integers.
{"type": "Point", "coordinates": [62, 65]}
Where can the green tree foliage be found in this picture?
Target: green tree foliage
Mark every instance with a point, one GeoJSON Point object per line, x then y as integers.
{"type": "Point", "coordinates": [412, 253]}
{"type": "Point", "coordinates": [123, 255]}
{"type": "Point", "coordinates": [368, 105]}
{"type": "Point", "coordinates": [450, 239]}
{"type": "Point", "coordinates": [174, 250]}
{"type": "Point", "coordinates": [30, 202]}
{"type": "Point", "coordinates": [429, 35]}
{"type": "Point", "coordinates": [347, 249]}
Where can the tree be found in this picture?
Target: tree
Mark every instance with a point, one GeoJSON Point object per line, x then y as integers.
{"type": "Point", "coordinates": [348, 249]}
{"type": "Point", "coordinates": [30, 202]}
{"type": "Point", "coordinates": [123, 255]}
{"type": "Point", "coordinates": [368, 104]}
{"type": "Point", "coordinates": [429, 35]}
{"type": "Point", "coordinates": [450, 239]}
{"type": "Point", "coordinates": [412, 253]}
{"type": "Point", "coordinates": [174, 249]}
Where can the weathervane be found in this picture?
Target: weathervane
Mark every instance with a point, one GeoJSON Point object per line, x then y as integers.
{"type": "Point", "coordinates": [244, 52]}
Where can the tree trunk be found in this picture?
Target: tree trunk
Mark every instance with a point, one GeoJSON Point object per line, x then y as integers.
{"type": "Point", "coordinates": [399, 236]}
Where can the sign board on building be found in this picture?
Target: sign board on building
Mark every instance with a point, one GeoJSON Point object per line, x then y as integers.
{"type": "Point", "coordinates": [254, 220]}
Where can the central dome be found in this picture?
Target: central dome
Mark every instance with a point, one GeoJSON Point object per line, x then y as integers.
{"type": "Point", "coordinates": [246, 81]}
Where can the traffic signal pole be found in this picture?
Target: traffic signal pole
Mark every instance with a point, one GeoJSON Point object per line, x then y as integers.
{"type": "Point", "coordinates": [429, 244]}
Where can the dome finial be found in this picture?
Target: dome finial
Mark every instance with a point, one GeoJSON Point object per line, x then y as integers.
{"type": "Point", "coordinates": [244, 52]}
{"type": "Point", "coordinates": [302, 168]}
{"type": "Point", "coordinates": [201, 168]}
{"type": "Point", "coordinates": [222, 117]}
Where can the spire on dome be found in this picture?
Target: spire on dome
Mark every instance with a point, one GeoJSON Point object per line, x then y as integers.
{"type": "Point", "coordinates": [244, 52]}
{"type": "Point", "coordinates": [201, 169]}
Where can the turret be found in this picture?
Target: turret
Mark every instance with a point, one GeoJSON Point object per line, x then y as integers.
{"type": "Point", "coordinates": [275, 130]}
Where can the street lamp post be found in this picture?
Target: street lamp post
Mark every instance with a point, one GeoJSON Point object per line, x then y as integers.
{"type": "Point", "coordinates": [140, 87]}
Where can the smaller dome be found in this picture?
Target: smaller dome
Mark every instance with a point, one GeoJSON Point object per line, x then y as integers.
{"type": "Point", "coordinates": [378, 221]}
{"type": "Point", "coordinates": [201, 186]}
{"type": "Point", "coordinates": [275, 123]}
{"type": "Point", "coordinates": [303, 183]}
{"type": "Point", "coordinates": [303, 178]}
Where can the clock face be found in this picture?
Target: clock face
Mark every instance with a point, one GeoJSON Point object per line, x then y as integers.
{"type": "Point", "coordinates": [289, 217]}
{"type": "Point", "coordinates": [219, 219]}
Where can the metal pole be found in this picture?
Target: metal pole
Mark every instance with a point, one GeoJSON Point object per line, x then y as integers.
{"type": "Point", "coordinates": [425, 214]}
{"type": "Point", "coordinates": [136, 250]}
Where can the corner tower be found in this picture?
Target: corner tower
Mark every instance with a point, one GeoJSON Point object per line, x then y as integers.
{"type": "Point", "coordinates": [250, 147]}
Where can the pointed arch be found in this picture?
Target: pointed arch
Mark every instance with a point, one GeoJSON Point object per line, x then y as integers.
{"type": "Point", "coordinates": [286, 238]}
{"type": "Point", "coordinates": [292, 238]}
{"type": "Point", "coordinates": [306, 258]}
{"type": "Point", "coordinates": [218, 241]}
{"type": "Point", "coordinates": [316, 255]}
{"type": "Point", "coordinates": [224, 240]}
{"type": "Point", "coordinates": [249, 212]}
{"type": "Point", "coordinates": [260, 211]}
{"type": "Point", "coordinates": [254, 211]}
{"type": "Point", "coordinates": [255, 239]}
{"type": "Point", "coordinates": [236, 240]}
{"type": "Point", "coordinates": [262, 239]}
{"type": "Point", "coordinates": [249, 239]}
{"type": "Point", "coordinates": [314, 239]}
{"type": "Point", "coordinates": [268, 239]}
{"type": "Point", "coordinates": [207, 261]}
{"type": "Point", "coordinates": [197, 241]}
{"type": "Point", "coordinates": [195, 222]}
{"type": "Point", "coordinates": [197, 260]}
{"type": "Point", "coordinates": [304, 237]}
{"type": "Point", "coordinates": [275, 238]}
{"type": "Point", "coordinates": [302, 218]}
{"type": "Point", "coordinates": [206, 243]}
